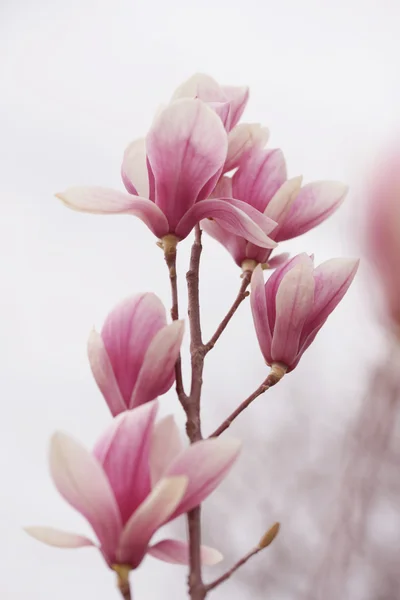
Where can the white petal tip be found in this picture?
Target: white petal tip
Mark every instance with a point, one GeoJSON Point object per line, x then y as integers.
{"type": "Point", "coordinates": [210, 556]}
{"type": "Point", "coordinates": [57, 538]}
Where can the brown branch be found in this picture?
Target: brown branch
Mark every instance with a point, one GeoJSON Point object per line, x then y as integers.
{"type": "Point", "coordinates": [125, 592]}
{"type": "Point", "coordinates": [193, 424]}
{"type": "Point", "coordinates": [277, 372]}
{"type": "Point", "coordinates": [242, 294]}
{"type": "Point", "coordinates": [169, 245]}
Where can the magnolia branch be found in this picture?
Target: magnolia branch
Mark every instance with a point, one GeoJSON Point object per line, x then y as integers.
{"type": "Point", "coordinates": [169, 244]}
{"type": "Point", "coordinates": [196, 343]}
{"type": "Point", "coordinates": [277, 372]}
{"type": "Point", "coordinates": [265, 541]}
{"type": "Point", "coordinates": [193, 424]}
{"type": "Point", "coordinates": [242, 294]}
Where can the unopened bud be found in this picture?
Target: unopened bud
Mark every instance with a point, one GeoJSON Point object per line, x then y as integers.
{"type": "Point", "coordinates": [269, 536]}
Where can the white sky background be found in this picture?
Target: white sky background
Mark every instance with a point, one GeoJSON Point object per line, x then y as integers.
{"type": "Point", "coordinates": [80, 80]}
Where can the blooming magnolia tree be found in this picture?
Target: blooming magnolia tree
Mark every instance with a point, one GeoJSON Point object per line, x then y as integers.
{"type": "Point", "coordinates": [179, 178]}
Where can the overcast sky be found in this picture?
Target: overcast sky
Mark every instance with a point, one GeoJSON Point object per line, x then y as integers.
{"type": "Point", "coordinates": [80, 80]}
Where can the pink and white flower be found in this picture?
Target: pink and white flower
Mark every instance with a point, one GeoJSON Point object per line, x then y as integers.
{"type": "Point", "coordinates": [170, 175]}
{"type": "Point", "coordinates": [134, 356]}
{"type": "Point", "coordinates": [292, 306]}
{"type": "Point", "coordinates": [261, 181]}
{"type": "Point", "coordinates": [229, 103]}
{"type": "Point", "coordinates": [383, 230]}
{"type": "Point", "coordinates": [137, 479]}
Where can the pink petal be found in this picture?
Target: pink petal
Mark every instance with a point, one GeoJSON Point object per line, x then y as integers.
{"type": "Point", "coordinates": [150, 515]}
{"type": "Point", "coordinates": [123, 451]}
{"type": "Point", "coordinates": [134, 169]}
{"type": "Point", "coordinates": [241, 140]}
{"type": "Point", "coordinates": [259, 177]}
{"type": "Point", "coordinates": [222, 109]}
{"type": "Point", "coordinates": [282, 201]}
{"type": "Point", "coordinates": [186, 149]}
{"type": "Point", "coordinates": [235, 245]}
{"type": "Point", "coordinates": [315, 203]}
{"type": "Point", "coordinates": [104, 375]}
{"type": "Point", "coordinates": [98, 200]}
{"type": "Point", "coordinates": [177, 552]}
{"type": "Point", "coordinates": [263, 221]}
{"type": "Point", "coordinates": [231, 218]}
{"type": "Point", "coordinates": [83, 484]}
{"type": "Point", "coordinates": [200, 86]}
{"type": "Point", "coordinates": [206, 464]}
{"type": "Point", "coordinates": [278, 260]}
{"type": "Point", "coordinates": [223, 189]}
{"type": "Point", "coordinates": [157, 373]}
{"type": "Point", "coordinates": [238, 98]}
{"type": "Point", "coordinates": [294, 301]}
{"type": "Point", "coordinates": [58, 538]}
{"type": "Point", "coordinates": [273, 282]}
{"type": "Point", "coordinates": [332, 280]}
{"type": "Point", "coordinates": [260, 313]}
{"type": "Point", "coordinates": [127, 334]}
{"type": "Point", "coordinates": [166, 445]}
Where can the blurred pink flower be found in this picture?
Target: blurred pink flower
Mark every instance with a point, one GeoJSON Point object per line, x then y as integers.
{"type": "Point", "coordinates": [170, 175]}
{"type": "Point", "coordinates": [383, 230]}
{"type": "Point", "coordinates": [261, 181]}
{"type": "Point", "coordinates": [292, 306]}
{"type": "Point", "coordinates": [229, 103]}
{"type": "Point", "coordinates": [137, 478]}
{"type": "Point", "coordinates": [133, 358]}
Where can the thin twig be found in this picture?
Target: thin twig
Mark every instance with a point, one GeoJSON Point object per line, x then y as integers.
{"type": "Point", "coordinates": [242, 294]}
{"type": "Point", "coordinates": [265, 541]}
{"type": "Point", "coordinates": [125, 592]}
{"type": "Point", "coordinates": [277, 372]}
{"type": "Point", "coordinates": [169, 245]}
{"type": "Point", "coordinates": [123, 585]}
{"type": "Point", "coordinates": [231, 571]}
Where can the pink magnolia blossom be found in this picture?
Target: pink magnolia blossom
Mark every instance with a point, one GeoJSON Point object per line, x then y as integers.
{"type": "Point", "coordinates": [229, 103]}
{"type": "Point", "coordinates": [134, 356]}
{"type": "Point", "coordinates": [170, 175]}
{"type": "Point", "coordinates": [138, 478]}
{"type": "Point", "coordinates": [383, 230]}
{"type": "Point", "coordinates": [292, 306]}
{"type": "Point", "coordinates": [261, 181]}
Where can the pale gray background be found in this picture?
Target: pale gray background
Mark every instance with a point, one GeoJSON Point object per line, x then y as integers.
{"type": "Point", "coordinates": [81, 79]}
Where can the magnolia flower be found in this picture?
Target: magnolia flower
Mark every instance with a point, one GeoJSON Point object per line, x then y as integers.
{"type": "Point", "coordinates": [290, 309]}
{"type": "Point", "coordinates": [229, 103]}
{"type": "Point", "coordinates": [170, 176]}
{"type": "Point", "coordinates": [261, 182]}
{"type": "Point", "coordinates": [134, 356]}
{"type": "Point", "coordinates": [137, 478]}
{"type": "Point", "coordinates": [383, 231]}
{"type": "Point", "coordinates": [227, 100]}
